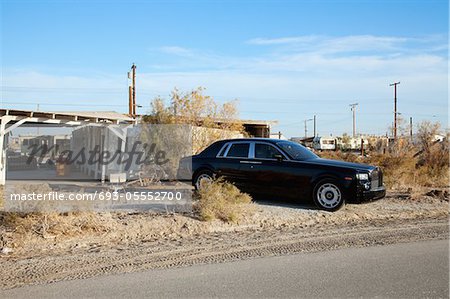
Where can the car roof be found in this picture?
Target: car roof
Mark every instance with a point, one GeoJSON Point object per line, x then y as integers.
{"type": "Point", "coordinates": [271, 140]}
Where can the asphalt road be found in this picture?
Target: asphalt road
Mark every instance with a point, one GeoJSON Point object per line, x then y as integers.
{"type": "Point", "coordinates": [419, 269]}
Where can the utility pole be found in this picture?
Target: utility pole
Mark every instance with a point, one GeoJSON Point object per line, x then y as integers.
{"type": "Point", "coordinates": [132, 92]}
{"type": "Point", "coordinates": [133, 70]}
{"type": "Point", "coordinates": [130, 101]}
{"type": "Point", "coordinates": [411, 129]}
{"type": "Point", "coordinates": [315, 132]}
{"type": "Point", "coordinates": [395, 108]}
{"type": "Point", "coordinates": [353, 108]}
{"type": "Point", "coordinates": [306, 128]}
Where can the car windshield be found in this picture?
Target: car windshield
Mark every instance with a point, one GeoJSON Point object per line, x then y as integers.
{"type": "Point", "coordinates": [296, 151]}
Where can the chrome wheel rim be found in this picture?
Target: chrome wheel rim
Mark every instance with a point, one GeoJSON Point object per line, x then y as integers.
{"type": "Point", "coordinates": [202, 179]}
{"type": "Point", "coordinates": [329, 195]}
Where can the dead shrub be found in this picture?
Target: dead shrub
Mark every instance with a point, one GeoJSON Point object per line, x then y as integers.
{"type": "Point", "coordinates": [399, 171]}
{"type": "Point", "coordinates": [222, 200]}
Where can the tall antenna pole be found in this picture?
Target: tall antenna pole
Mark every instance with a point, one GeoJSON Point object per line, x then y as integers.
{"type": "Point", "coordinates": [395, 108]}
{"type": "Point", "coordinates": [315, 132]}
{"type": "Point", "coordinates": [353, 108]}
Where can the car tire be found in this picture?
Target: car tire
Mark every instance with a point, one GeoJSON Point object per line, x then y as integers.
{"type": "Point", "coordinates": [328, 195]}
{"type": "Point", "coordinates": [202, 175]}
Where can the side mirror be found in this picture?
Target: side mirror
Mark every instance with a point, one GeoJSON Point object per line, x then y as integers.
{"type": "Point", "coordinates": [278, 157]}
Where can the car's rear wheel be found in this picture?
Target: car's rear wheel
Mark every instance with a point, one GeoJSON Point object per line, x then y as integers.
{"type": "Point", "coordinates": [203, 177]}
{"type": "Point", "coordinates": [328, 195]}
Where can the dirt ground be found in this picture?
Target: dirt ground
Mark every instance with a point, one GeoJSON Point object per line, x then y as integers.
{"type": "Point", "coordinates": [128, 242]}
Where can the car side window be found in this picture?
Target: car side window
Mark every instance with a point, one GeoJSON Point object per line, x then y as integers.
{"type": "Point", "coordinates": [265, 151]}
{"type": "Point", "coordinates": [238, 150]}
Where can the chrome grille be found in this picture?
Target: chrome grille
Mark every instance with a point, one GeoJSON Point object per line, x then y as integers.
{"type": "Point", "coordinates": [376, 178]}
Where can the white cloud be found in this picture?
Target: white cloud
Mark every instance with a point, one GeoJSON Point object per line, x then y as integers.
{"type": "Point", "coordinates": [360, 54]}
{"type": "Point", "coordinates": [352, 43]}
{"type": "Point", "coordinates": [293, 78]}
{"type": "Point", "coordinates": [175, 50]}
{"type": "Point", "coordinates": [282, 40]}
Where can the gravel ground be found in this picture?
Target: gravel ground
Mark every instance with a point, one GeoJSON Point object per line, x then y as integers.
{"type": "Point", "coordinates": [271, 229]}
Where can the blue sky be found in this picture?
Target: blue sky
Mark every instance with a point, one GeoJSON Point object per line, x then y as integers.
{"type": "Point", "coordinates": [283, 60]}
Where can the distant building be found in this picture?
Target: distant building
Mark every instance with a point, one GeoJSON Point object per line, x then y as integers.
{"type": "Point", "coordinates": [350, 143]}
{"type": "Point", "coordinates": [254, 128]}
{"type": "Point", "coordinates": [324, 143]}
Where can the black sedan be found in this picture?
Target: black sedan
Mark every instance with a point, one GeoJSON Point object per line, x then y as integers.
{"type": "Point", "coordinates": [282, 168]}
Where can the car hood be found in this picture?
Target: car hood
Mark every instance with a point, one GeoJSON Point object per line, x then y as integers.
{"type": "Point", "coordinates": [336, 163]}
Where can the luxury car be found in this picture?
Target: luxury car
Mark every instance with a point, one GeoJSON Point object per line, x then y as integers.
{"type": "Point", "coordinates": [280, 168]}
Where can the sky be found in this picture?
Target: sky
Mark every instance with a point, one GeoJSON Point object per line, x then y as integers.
{"type": "Point", "coordinates": [282, 60]}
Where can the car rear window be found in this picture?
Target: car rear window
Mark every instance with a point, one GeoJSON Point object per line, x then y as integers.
{"type": "Point", "coordinates": [238, 150]}
{"type": "Point", "coordinates": [222, 151]}
{"type": "Point", "coordinates": [212, 150]}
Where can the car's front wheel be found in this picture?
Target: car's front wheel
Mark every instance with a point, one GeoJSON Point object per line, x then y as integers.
{"type": "Point", "coordinates": [203, 177]}
{"type": "Point", "coordinates": [328, 195]}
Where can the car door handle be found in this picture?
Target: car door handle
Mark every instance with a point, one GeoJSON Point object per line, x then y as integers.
{"type": "Point", "coordinates": [250, 162]}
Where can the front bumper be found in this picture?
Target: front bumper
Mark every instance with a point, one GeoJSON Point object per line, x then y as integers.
{"type": "Point", "coordinates": [373, 194]}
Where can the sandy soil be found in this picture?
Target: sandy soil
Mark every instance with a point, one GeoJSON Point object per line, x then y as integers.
{"type": "Point", "coordinates": [133, 242]}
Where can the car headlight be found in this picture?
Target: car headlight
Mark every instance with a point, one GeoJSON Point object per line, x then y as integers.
{"type": "Point", "coordinates": [362, 176]}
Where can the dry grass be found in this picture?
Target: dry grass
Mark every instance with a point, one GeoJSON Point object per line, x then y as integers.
{"type": "Point", "coordinates": [54, 224]}
{"type": "Point", "coordinates": [222, 200]}
{"type": "Point", "coordinates": [23, 227]}
{"type": "Point", "coordinates": [21, 230]}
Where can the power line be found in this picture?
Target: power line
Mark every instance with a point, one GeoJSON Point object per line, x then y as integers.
{"type": "Point", "coordinates": [68, 105]}
{"type": "Point", "coordinates": [152, 94]}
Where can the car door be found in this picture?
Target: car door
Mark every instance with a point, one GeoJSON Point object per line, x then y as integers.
{"type": "Point", "coordinates": [273, 172]}
{"type": "Point", "coordinates": [229, 164]}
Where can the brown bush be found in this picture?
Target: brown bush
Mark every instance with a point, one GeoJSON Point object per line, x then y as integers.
{"type": "Point", "coordinates": [196, 109]}
{"type": "Point", "coordinates": [399, 170]}
{"type": "Point", "coordinates": [222, 200]}
{"type": "Point", "coordinates": [211, 121]}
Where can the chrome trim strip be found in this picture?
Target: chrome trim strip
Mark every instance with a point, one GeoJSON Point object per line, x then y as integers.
{"type": "Point", "coordinates": [250, 162]}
